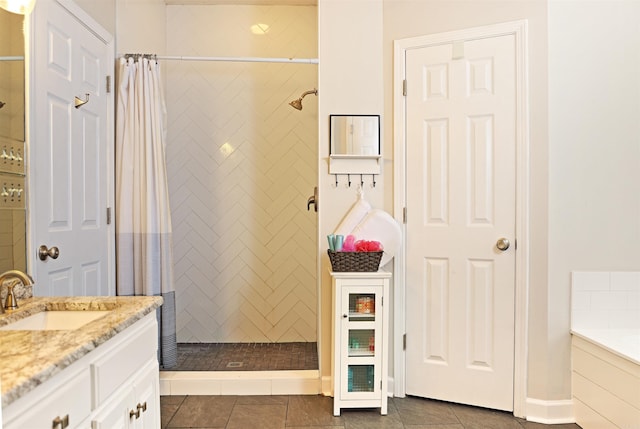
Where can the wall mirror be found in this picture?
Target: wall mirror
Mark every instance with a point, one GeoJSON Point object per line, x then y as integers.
{"type": "Point", "coordinates": [354, 135]}
{"type": "Point", "coordinates": [12, 136]}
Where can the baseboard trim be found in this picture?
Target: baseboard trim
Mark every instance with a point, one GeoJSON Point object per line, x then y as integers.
{"type": "Point", "coordinates": [550, 412]}
{"type": "Point", "coordinates": [239, 383]}
{"type": "Point", "coordinates": [326, 383]}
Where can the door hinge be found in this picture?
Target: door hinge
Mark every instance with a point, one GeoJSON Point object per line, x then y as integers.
{"type": "Point", "coordinates": [404, 341]}
{"type": "Point", "coordinates": [404, 215]}
{"type": "Point", "coordinates": [108, 215]}
{"type": "Point", "coordinates": [108, 84]}
{"type": "Point", "coordinates": [404, 87]}
{"type": "Point", "coordinates": [515, 244]}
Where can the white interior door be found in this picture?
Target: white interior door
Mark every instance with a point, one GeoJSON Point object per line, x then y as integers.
{"type": "Point", "coordinates": [69, 154]}
{"type": "Point", "coordinates": [461, 158]}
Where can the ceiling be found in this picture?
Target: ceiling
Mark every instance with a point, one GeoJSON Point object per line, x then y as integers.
{"type": "Point", "coordinates": [246, 2]}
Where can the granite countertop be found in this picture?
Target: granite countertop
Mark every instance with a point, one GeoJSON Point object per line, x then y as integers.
{"type": "Point", "coordinates": [29, 358]}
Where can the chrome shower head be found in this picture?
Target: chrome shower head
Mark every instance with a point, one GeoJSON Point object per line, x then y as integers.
{"type": "Point", "coordinates": [297, 104]}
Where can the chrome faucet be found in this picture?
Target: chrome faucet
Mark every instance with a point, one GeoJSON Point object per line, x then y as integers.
{"type": "Point", "coordinates": [11, 303]}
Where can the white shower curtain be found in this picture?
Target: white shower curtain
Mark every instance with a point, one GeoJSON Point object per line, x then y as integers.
{"type": "Point", "coordinates": [143, 218]}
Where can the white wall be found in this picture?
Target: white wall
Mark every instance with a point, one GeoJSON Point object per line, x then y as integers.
{"type": "Point", "coordinates": [103, 11]}
{"type": "Point", "coordinates": [350, 82]}
{"type": "Point", "coordinates": [140, 26]}
{"type": "Point", "coordinates": [594, 154]}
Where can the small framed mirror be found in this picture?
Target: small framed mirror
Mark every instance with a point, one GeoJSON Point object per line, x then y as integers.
{"type": "Point", "coordinates": [355, 136]}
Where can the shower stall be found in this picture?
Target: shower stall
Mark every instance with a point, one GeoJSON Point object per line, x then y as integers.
{"type": "Point", "coordinates": [241, 163]}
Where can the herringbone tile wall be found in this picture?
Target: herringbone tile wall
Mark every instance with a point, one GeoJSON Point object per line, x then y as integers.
{"type": "Point", "coordinates": [12, 72]}
{"type": "Point", "coordinates": [241, 165]}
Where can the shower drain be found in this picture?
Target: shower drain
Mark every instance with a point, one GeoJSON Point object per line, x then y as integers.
{"type": "Point", "coordinates": [235, 365]}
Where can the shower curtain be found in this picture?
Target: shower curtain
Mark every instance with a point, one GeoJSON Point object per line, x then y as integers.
{"type": "Point", "coordinates": [143, 218]}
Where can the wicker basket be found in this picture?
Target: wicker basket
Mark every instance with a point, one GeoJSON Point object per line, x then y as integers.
{"type": "Point", "coordinates": [355, 261]}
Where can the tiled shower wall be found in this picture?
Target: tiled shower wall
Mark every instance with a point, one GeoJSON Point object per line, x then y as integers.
{"type": "Point", "coordinates": [241, 165]}
{"type": "Point", "coordinates": [12, 73]}
{"type": "Point", "coordinates": [12, 221]}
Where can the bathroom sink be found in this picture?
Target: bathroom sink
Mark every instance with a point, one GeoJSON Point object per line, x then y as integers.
{"type": "Point", "coordinates": [59, 320]}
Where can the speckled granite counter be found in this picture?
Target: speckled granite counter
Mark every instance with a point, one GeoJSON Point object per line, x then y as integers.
{"type": "Point", "coordinates": [29, 358]}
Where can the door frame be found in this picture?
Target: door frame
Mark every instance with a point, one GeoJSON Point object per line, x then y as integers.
{"type": "Point", "coordinates": [401, 46]}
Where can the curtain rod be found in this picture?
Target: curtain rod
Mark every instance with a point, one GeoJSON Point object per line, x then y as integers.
{"type": "Point", "coordinates": [236, 59]}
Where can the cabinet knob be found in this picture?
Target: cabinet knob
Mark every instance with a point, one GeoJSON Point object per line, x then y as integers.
{"type": "Point", "coordinates": [60, 422]}
{"type": "Point", "coordinates": [142, 406]}
{"type": "Point", "coordinates": [344, 316]}
{"type": "Point", "coordinates": [134, 413]}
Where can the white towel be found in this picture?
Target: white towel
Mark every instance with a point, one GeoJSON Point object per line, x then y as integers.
{"type": "Point", "coordinates": [380, 226]}
{"type": "Point", "coordinates": [353, 217]}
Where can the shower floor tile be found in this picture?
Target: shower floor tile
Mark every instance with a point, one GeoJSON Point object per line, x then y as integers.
{"type": "Point", "coordinates": [246, 356]}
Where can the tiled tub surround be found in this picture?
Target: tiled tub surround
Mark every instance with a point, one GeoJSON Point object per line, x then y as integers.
{"type": "Point", "coordinates": [29, 358]}
{"type": "Point", "coordinates": [605, 323]}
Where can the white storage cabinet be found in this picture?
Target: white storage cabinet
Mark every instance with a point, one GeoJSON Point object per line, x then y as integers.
{"type": "Point", "coordinates": [360, 334]}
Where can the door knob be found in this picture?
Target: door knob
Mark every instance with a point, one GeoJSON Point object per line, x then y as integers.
{"type": "Point", "coordinates": [313, 199]}
{"type": "Point", "coordinates": [44, 253]}
{"type": "Point", "coordinates": [502, 244]}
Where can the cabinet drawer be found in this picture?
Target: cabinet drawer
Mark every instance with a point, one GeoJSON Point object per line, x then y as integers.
{"type": "Point", "coordinates": [120, 364]}
{"type": "Point", "coordinates": [70, 400]}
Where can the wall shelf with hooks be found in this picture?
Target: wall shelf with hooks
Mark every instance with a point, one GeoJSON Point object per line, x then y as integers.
{"type": "Point", "coordinates": [350, 164]}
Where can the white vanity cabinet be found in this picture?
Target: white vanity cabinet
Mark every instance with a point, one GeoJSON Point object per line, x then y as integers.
{"type": "Point", "coordinates": [360, 340]}
{"type": "Point", "coordinates": [114, 386]}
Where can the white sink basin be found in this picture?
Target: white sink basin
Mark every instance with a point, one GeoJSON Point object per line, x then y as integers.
{"type": "Point", "coordinates": [54, 320]}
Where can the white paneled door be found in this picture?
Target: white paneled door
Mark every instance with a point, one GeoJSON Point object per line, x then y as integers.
{"type": "Point", "coordinates": [461, 171]}
{"type": "Point", "coordinates": [69, 154]}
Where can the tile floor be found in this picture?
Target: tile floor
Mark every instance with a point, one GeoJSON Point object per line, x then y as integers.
{"type": "Point", "coordinates": [246, 356]}
{"type": "Point", "coordinates": [313, 411]}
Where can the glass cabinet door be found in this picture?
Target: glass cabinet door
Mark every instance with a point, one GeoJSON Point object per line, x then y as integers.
{"type": "Point", "coordinates": [360, 333]}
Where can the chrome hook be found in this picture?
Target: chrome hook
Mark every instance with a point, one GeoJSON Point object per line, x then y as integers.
{"type": "Point", "coordinates": [80, 102]}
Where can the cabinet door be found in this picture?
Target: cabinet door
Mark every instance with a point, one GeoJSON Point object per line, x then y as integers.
{"type": "Point", "coordinates": [146, 390]}
{"type": "Point", "coordinates": [361, 342]}
{"type": "Point", "coordinates": [115, 413]}
{"type": "Point", "coordinates": [136, 405]}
